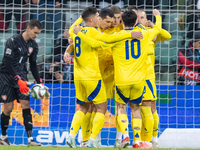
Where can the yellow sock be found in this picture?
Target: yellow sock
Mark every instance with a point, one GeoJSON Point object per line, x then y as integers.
{"type": "Point", "coordinates": [148, 122]}
{"type": "Point", "coordinates": [90, 126]}
{"type": "Point", "coordinates": [155, 125]}
{"type": "Point", "coordinates": [92, 118]}
{"type": "Point", "coordinates": [117, 125]}
{"type": "Point", "coordinates": [137, 124]}
{"type": "Point", "coordinates": [123, 123]}
{"type": "Point", "coordinates": [143, 133]}
{"type": "Point", "coordinates": [85, 126]}
{"type": "Point", "coordinates": [98, 123]}
{"type": "Point", "coordinates": [76, 122]}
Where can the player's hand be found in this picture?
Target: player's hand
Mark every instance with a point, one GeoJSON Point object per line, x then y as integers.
{"type": "Point", "coordinates": [47, 94]}
{"type": "Point", "coordinates": [67, 58]}
{"type": "Point", "coordinates": [149, 24]}
{"type": "Point", "coordinates": [156, 12]}
{"type": "Point", "coordinates": [76, 29]}
{"type": "Point", "coordinates": [24, 89]}
{"type": "Point", "coordinates": [70, 40]}
{"type": "Point", "coordinates": [136, 35]}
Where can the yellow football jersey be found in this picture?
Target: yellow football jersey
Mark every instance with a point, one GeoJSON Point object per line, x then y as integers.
{"type": "Point", "coordinates": [130, 55]}
{"type": "Point", "coordinates": [78, 21]}
{"type": "Point", "coordinates": [105, 56]}
{"type": "Point", "coordinates": [114, 29]}
{"type": "Point", "coordinates": [86, 64]}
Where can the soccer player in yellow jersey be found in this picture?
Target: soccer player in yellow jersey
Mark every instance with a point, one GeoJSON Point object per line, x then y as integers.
{"type": "Point", "coordinates": [87, 77]}
{"type": "Point", "coordinates": [130, 60]}
{"type": "Point", "coordinates": [105, 60]}
{"type": "Point", "coordinates": [149, 114]}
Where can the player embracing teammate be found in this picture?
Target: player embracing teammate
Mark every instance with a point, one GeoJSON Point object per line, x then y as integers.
{"type": "Point", "coordinates": [131, 57]}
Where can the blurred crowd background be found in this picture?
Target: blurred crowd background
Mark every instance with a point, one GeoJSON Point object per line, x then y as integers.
{"type": "Point", "coordinates": [180, 17]}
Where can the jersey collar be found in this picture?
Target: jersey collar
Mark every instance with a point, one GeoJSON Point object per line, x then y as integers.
{"type": "Point", "coordinates": [137, 24]}
{"type": "Point", "coordinates": [129, 29]}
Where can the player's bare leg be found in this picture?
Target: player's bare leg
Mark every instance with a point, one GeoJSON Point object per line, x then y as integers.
{"type": "Point", "coordinates": [147, 123]}
{"type": "Point", "coordinates": [28, 123]}
{"type": "Point", "coordinates": [76, 123]}
{"type": "Point", "coordinates": [98, 123]}
{"type": "Point", "coordinates": [5, 117]}
{"type": "Point", "coordinates": [155, 125]}
{"type": "Point", "coordinates": [123, 124]}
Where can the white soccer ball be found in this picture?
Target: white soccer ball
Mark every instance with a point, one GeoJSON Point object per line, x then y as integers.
{"type": "Point", "coordinates": [38, 91]}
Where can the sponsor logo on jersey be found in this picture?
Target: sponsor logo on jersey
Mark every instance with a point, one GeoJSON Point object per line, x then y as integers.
{"type": "Point", "coordinates": [4, 97]}
{"type": "Point", "coordinates": [8, 51]}
{"type": "Point", "coordinates": [189, 74]}
{"type": "Point", "coordinates": [30, 49]}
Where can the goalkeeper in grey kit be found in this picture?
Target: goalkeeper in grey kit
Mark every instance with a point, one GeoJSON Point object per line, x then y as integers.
{"type": "Point", "coordinates": [13, 78]}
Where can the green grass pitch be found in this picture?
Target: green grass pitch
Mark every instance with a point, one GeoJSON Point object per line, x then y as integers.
{"type": "Point", "coordinates": [67, 148]}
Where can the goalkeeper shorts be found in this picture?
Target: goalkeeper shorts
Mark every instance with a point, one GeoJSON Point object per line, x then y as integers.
{"type": "Point", "coordinates": [150, 93]}
{"type": "Point", "coordinates": [132, 93]}
{"type": "Point", "coordinates": [9, 94]}
{"type": "Point", "coordinates": [90, 90]}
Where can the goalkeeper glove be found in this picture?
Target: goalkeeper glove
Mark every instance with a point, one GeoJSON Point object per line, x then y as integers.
{"type": "Point", "coordinates": [24, 89]}
{"type": "Point", "coordinates": [47, 94]}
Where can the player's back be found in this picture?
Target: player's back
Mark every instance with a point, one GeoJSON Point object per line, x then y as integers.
{"type": "Point", "coordinates": [86, 64]}
{"type": "Point", "coordinates": [129, 58]}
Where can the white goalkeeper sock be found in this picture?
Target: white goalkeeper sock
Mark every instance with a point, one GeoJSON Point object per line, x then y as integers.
{"type": "Point", "coordinates": [3, 137]}
{"type": "Point", "coordinates": [29, 139]}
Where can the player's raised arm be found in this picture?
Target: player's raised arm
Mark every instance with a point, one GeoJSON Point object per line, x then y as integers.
{"type": "Point", "coordinates": [113, 37]}
{"type": "Point", "coordinates": [163, 36]}
{"type": "Point", "coordinates": [78, 21]}
{"type": "Point", "coordinates": [97, 35]}
{"type": "Point", "coordinates": [157, 27]}
{"type": "Point", "coordinates": [90, 41]}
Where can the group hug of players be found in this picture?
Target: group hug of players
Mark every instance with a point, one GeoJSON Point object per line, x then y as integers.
{"type": "Point", "coordinates": [114, 55]}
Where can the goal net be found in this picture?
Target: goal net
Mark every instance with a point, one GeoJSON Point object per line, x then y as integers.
{"type": "Point", "coordinates": [178, 106]}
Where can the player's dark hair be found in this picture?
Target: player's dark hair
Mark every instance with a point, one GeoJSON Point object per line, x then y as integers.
{"type": "Point", "coordinates": [129, 18]}
{"type": "Point", "coordinates": [106, 12]}
{"type": "Point", "coordinates": [131, 7]}
{"type": "Point", "coordinates": [34, 23]}
{"type": "Point", "coordinates": [87, 12]}
{"type": "Point", "coordinates": [115, 9]}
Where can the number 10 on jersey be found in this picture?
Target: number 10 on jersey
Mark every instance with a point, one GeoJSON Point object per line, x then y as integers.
{"type": "Point", "coordinates": [77, 46]}
{"type": "Point", "coordinates": [130, 46]}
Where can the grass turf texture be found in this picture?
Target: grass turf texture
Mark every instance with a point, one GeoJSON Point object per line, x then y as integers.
{"type": "Point", "coordinates": [67, 148]}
